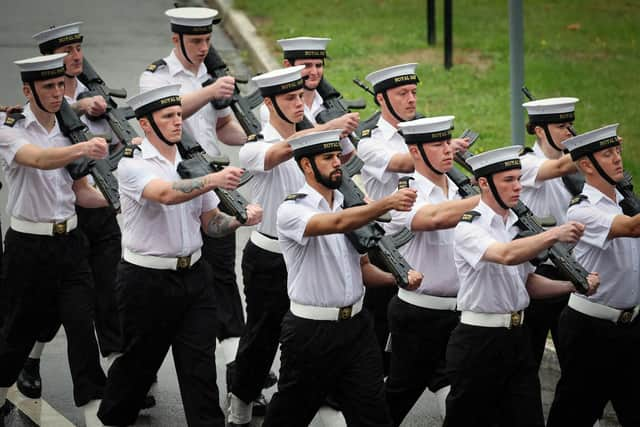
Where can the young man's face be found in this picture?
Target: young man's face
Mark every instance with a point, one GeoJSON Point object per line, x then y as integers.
{"type": "Point", "coordinates": [560, 132]}
{"type": "Point", "coordinates": [403, 100]}
{"type": "Point", "coordinates": [611, 162]}
{"type": "Point", "coordinates": [73, 60]}
{"type": "Point", "coordinates": [291, 105]}
{"type": "Point", "coordinates": [312, 72]}
{"type": "Point", "coordinates": [328, 165]}
{"type": "Point", "coordinates": [169, 121]}
{"type": "Point", "coordinates": [50, 93]}
{"type": "Point", "coordinates": [439, 153]}
{"type": "Point", "coordinates": [508, 186]}
{"type": "Point", "coordinates": [196, 46]}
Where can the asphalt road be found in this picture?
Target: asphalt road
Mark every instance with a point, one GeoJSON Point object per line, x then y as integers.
{"type": "Point", "coordinates": [121, 39]}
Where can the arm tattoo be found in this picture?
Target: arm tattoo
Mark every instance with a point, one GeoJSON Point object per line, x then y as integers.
{"type": "Point", "coordinates": [188, 185]}
{"type": "Point", "coordinates": [220, 225]}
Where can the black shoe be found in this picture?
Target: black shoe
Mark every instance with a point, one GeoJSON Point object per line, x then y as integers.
{"type": "Point", "coordinates": [29, 382]}
{"type": "Point", "coordinates": [233, 425]}
{"type": "Point", "coordinates": [148, 402]}
{"type": "Point", "coordinates": [259, 408]}
{"type": "Point", "coordinates": [271, 380]}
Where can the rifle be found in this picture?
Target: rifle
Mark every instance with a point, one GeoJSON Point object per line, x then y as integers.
{"type": "Point", "coordinates": [336, 106]}
{"type": "Point", "coordinates": [117, 117]}
{"type": "Point", "coordinates": [74, 129]}
{"type": "Point", "coordinates": [196, 163]}
{"type": "Point", "coordinates": [240, 105]}
{"type": "Point", "coordinates": [529, 224]}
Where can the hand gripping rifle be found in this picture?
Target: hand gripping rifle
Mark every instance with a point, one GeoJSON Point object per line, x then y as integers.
{"type": "Point", "coordinates": [529, 224]}
{"type": "Point", "coordinates": [74, 129]}
{"type": "Point", "coordinates": [196, 163]}
{"type": "Point", "coordinates": [241, 106]}
{"type": "Point", "coordinates": [336, 106]}
{"type": "Point", "coordinates": [117, 117]}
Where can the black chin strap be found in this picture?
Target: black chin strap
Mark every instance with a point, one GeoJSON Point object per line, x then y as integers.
{"type": "Point", "coordinates": [549, 139]}
{"type": "Point", "coordinates": [601, 171]}
{"type": "Point", "coordinates": [184, 50]}
{"type": "Point", "coordinates": [390, 107]}
{"type": "Point", "coordinates": [279, 111]}
{"type": "Point", "coordinates": [427, 162]}
{"type": "Point", "coordinates": [157, 131]}
{"type": "Point", "coordinates": [494, 190]}
{"type": "Point", "coordinates": [37, 98]}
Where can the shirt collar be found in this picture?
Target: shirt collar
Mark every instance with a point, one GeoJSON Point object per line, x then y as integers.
{"type": "Point", "coordinates": [30, 119]}
{"type": "Point", "coordinates": [537, 150]}
{"type": "Point", "coordinates": [491, 217]}
{"type": "Point", "coordinates": [388, 131]}
{"type": "Point", "coordinates": [596, 195]}
{"type": "Point", "coordinates": [175, 66]}
{"type": "Point", "coordinates": [316, 200]}
{"type": "Point", "coordinates": [149, 151]}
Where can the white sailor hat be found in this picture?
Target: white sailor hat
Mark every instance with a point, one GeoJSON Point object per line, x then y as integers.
{"type": "Point", "coordinates": [311, 144]}
{"type": "Point", "coordinates": [41, 67]}
{"type": "Point", "coordinates": [429, 129]}
{"type": "Point", "coordinates": [55, 37]}
{"type": "Point", "coordinates": [304, 47]}
{"type": "Point", "coordinates": [493, 161]}
{"type": "Point", "coordinates": [155, 99]}
{"type": "Point", "coordinates": [592, 141]}
{"type": "Point", "coordinates": [192, 20]}
{"type": "Point", "coordinates": [551, 110]}
{"type": "Point", "coordinates": [280, 81]}
{"type": "Point", "coordinates": [390, 77]}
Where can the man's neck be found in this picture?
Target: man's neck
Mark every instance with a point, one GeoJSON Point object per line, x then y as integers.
{"type": "Point", "coordinates": [325, 192]}
{"type": "Point", "coordinates": [46, 119]}
{"type": "Point", "coordinates": [308, 96]}
{"type": "Point", "coordinates": [167, 151]}
{"type": "Point", "coordinates": [603, 186]}
{"type": "Point", "coordinates": [284, 129]}
{"type": "Point", "coordinates": [548, 151]}
{"type": "Point", "coordinates": [186, 64]}
{"type": "Point", "coordinates": [70, 86]}
{"type": "Point", "coordinates": [499, 210]}
{"type": "Point", "coordinates": [386, 114]}
{"type": "Point", "coordinates": [439, 180]}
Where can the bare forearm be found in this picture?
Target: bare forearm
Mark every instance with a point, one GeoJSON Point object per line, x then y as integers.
{"type": "Point", "coordinates": [48, 158]}
{"type": "Point", "coordinates": [230, 132]}
{"type": "Point", "coordinates": [88, 196]}
{"type": "Point", "coordinates": [374, 277]}
{"type": "Point", "coordinates": [542, 287]}
{"type": "Point", "coordinates": [520, 250]}
{"type": "Point", "coordinates": [442, 215]}
{"type": "Point", "coordinates": [193, 101]}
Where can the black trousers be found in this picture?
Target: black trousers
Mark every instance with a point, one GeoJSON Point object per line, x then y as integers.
{"type": "Point", "coordinates": [376, 300]}
{"type": "Point", "coordinates": [419, 336]}
{"type": "Point", "coordinates": [47, 280]}
{"type": "Point", "coordinates": [319, 358]}
{"type": "Point", "coordinates": [542, 316]}
{"type": "Point", "coordinates": [105, 251]}
{"type": "Point", "coordinates": [161, 309]}
{"type": "Point", "coordinates": [494, 381]}
{"type": "Point", "coordinates": [220, 253]}
{"type": "Point", "coordinates": [265, 288]}
{"type": "Point", "coordinates": [600, 363]}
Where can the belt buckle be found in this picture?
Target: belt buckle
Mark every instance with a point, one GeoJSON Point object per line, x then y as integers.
{"type": "Point", "coordinates": [183, 262]}
{"type": "Point", "coordinates": [59, 228]}
{"type": "Point", "coordinates": [625, 317]}
{"type": "Point", "coordinates": [344, 313]}
{"type": "Point", "coordinates": [516, 319]}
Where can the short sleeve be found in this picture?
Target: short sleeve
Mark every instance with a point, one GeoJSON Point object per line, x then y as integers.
{"type": "Point", "coordinates": [224, 112]}
{"type": "Point", "coordinates": [149, 80]}
{"type": "Point", "coordinates": [530, 167]}
{"type": "Point", "coordinates": [597, 224]}
{"type": "Point", "coordinates": [471, 242]}
{"type": "Point", "coordinates": [210, 201]}
{"type": "Point", "coordinates": [346, 145]}
{"type": "Point", "coordinates": [376, 158]}
{"type": "Point", "coordinates": [11, 141]}
{"type": "Point", "coordinates": [252, 155]}
{"type": "Point", "coordinates": [292, 221]}
{"type": "Point", "coordinates": [133, 178]}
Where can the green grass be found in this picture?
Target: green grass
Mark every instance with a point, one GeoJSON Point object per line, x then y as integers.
{"type": "Point", "coordinates": [583, 48]}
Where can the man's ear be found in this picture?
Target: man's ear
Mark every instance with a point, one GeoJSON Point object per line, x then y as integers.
{"type": "Point", "coordinates": [26, 90]}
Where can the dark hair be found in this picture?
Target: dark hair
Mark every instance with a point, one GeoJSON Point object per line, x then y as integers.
{"type": "Point", "coordinates": [531, 128]}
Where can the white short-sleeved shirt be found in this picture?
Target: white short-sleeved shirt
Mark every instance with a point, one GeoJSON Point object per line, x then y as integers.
{"type": "Point", "coordinates": [544, 198]}
{"type": "Point", "coordinates": [376, 152]}
{"type": "Point", "coordinates": [201, 125]}
{"type": "Point", "coordinates": [269, 187]}
{"type": "Point", "coordinates": [429, 252]}
{"type": "Point", "coordinates": [322, 271]}
{"type": "Point", "coordinates": [151, 228]}
{"type": "Point", "coordinates": [487, 287]}
{"type": "Point", "coordinates": [35, 195]}
{"type": "Point", "coordinates": [616, 260]}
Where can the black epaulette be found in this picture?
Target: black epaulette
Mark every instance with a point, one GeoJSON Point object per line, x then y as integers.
{"type": "Point", "coordinates": [153, 67]}
{"type": "Point", "coordinates": [13, 118]}
{"type": "Point", "coordinates": [130, 150]}
{"type": "Point", "coordinates": [366, 133]}
{"type": "Point", "coordinates": [578, 199]}
{"type": "Point", "coordinates": [470, 216]}
{"type": "Point", "coordinates": [254, 137]}
{"type": "Point", "coordinates": [525, 150]}
{"type": "Point", "coordinates": [295, 196]}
